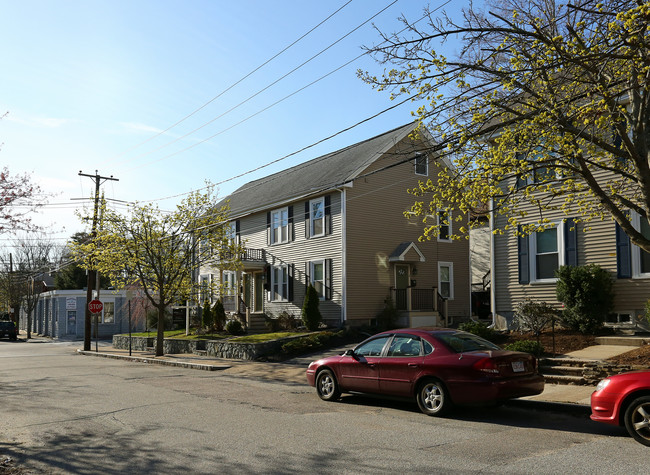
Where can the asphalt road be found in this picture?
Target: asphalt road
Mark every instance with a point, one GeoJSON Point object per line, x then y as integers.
{"type": "Point", "coordinates": [68, 413]}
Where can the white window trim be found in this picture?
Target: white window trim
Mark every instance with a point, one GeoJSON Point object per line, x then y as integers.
{"type": "Point", "coordinates": [231, 233]}
{"type": "Point", "coordinates": [229, 284]}
{"type": "Point", "coordinates": [205, 278]}
{"type": "Point", "coordinates": [532, 252]}
{"type": "Point", "coordinates": [449, 230]}
{"type": "Point", "coordinates": [312, 220]}
{"type": "Point", "coordinates": [279, 212]}
{"type": "Point", "coordinates": [451, 278]}
{"type": "Point", "coordinates": [426, 164]}
{"type": "Point", "coordinates": [636, 250]}
{"type": "Point", "coordinates": [311, 275]}
{"type": "Point", "coordinates": [283, 285]}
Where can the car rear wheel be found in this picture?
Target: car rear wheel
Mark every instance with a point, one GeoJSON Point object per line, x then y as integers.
{"type": "Point", "coordinates": [433, 399]}
{"type": "Point", "coordinates": [637, 420]}
{"type": "Point", "coordinates": [326, 386]}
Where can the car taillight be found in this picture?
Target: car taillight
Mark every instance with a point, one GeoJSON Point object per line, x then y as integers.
{"type": "Point", "coordinates": [487, 366]}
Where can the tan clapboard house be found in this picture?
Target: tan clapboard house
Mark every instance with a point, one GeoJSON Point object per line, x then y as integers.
{"type": "Point", "coordinates": [523, 267]}
{"type": "Point", "coordinates": [338, 222]}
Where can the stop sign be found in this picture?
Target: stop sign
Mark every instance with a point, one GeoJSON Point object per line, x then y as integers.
{"type": "Point", "coordinates": [95, 306]}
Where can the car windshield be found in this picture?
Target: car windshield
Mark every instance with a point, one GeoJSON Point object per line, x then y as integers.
{"type": "Point", "coordinates": [462, 342]}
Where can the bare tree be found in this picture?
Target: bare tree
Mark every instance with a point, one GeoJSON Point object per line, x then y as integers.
{"type": "Point", "coordinates": [32, 259]}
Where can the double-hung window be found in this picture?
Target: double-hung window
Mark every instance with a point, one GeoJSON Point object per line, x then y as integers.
{"type": "Point", "coordinates": [317, 276]}
{"type": "Point", "coordinates": [280, 226]}
{"type": "Point", "coordinates": [421, 165]}
{"type": "Point", "coordinates": [205, 288]}
{"type": "Point", "coordinates": [545, 247]}
{"type": "Point", "coordinates": [541, 253]}
{"type": "Point", "coordinates": [229, 283]}
{"type": "Point", "coordinates": [446, 279]}
{"type": "Point", "coordinates": [444, 225]}
{"type": "Point", "coordinates": [280, 283]}
{"type": "Point", "coordinates": [640, 258]}
{"type": "Point", "coordinates": [317, 217]}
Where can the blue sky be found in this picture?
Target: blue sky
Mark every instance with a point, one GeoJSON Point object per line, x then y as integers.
{"type": "Point", "coordinates": [89, 85]}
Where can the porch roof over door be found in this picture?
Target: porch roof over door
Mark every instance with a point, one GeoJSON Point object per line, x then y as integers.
{"type": "Point", "coordinates": [406, 252]}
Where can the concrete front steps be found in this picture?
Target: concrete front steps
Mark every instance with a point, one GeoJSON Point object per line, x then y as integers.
{"type": "Point", "coordinates": [565, 370]}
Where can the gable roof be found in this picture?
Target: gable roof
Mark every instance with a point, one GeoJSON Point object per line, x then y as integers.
{"type": "Point", "coordinates": [317, 175]}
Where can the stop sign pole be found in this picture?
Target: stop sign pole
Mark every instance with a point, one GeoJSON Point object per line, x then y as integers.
{"type": "Point", "coordinates": [96, 307]}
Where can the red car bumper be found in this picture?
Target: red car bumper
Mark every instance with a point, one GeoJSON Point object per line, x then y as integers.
{"type": "Point", "coordinates": [495, 390]}
{"type": "Point", "coordinates": [604, 407]}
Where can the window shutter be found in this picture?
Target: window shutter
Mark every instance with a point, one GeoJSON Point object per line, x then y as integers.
{"type": "Point", "coordinates": [307, 269]}
{"type": "Point", "coordinates": [522, 253]}
{"type": "Point", "coordinates": [268, 228]}
{"type": "Point", "coordinates": [267, 280]}
{"type": "Point", "coordinates": [307, 219]}
{"type": "Point", "coordinates": [290, 223]}
{"type": "Point", "coordinates": [238, 231]}
{"type": "Point", "coordinates": [328, 214]}
{"type": "Point", "coordinates": [623, 254]}
{"type": "Point", "coordinates": [290, 273]}
{"type": "Point", "coordinates": [570, 243]}
{"type": "Point", "coordinates": [328, 279]}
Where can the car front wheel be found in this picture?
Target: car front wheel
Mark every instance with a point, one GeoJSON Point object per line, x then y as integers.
{"type": "Point", "coordinates": [433, 399]}
{"type": "Point", "coordinates": [326, 386]}
{"type": "Point", "coordinates": [637, 420]}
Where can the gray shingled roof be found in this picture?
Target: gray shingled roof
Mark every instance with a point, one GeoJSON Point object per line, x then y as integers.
{"type": "Point", "coordinates": [316, 175]}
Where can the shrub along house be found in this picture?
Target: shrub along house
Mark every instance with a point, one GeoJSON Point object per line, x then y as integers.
{"type": "Point", "coordinates": [338, 222]}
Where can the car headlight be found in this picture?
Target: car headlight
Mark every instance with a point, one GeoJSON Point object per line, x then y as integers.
{"type": "Point", "coordinates": [602, 384]}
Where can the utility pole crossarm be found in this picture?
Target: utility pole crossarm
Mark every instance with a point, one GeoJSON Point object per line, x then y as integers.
{"type": "Point", "coordinates": [92, 274]}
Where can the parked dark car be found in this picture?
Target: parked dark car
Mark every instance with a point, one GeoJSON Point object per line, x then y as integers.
{"type": "Point", "coordinates": [624, 400]}
{"type": "Point", "coordinates": [8, 329]}
{"type": "Point", "coordinates": [438, 367]}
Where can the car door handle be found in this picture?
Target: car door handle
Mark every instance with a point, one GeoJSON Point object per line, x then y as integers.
{"type": "Point", "coordinates": [413, 365]}
{"type": "Point", "coordinates": [371, 365]}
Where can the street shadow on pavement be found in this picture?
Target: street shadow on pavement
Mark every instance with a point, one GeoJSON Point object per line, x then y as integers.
{"type": "Point", "coordinates": [505, 415]}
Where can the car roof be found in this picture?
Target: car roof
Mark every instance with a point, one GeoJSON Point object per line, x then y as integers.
{"type": "Point", "coordinates": [421, 331]}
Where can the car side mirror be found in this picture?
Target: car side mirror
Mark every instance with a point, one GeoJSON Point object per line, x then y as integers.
{"type": "Point", "coordinates": [350, 353]}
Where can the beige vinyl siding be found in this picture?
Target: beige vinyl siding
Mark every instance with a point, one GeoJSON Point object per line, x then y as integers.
{"type": "Point", "coordinates": [299, 252]}
{"type": "Point", "coordinates": [375, 226]}
{"type": "Point", "coordinates": [595, 246]}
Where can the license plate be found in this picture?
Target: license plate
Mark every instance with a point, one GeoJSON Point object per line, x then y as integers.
{"type": "Point", "coordinates": [518, 366]}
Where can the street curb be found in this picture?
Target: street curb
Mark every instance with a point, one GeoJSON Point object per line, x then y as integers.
{"type": "Point", "coordinates": [548, 406]}
{"type": "Point", "coordinates": [164, 362]}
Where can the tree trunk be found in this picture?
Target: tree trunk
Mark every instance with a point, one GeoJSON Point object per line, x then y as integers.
{"type": "Point", "coordinates": [161, 331]}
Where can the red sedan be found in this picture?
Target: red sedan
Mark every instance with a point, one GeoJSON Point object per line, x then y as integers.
{"type": "Point", "coordinates": [624, 400]}
{"type": "Point", "coordinates": [438, 367]}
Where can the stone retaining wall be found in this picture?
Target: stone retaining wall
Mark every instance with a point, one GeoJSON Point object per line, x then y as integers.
{"type": "Point", "coordinates": [215, 348]}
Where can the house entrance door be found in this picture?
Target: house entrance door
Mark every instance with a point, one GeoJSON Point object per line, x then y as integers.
{"type": "Point", "coordinates": [401, 286]}
{"type": "Point", "coordinates": [258, 292]}
{"type": "Point", "coordinates": [246, 278]}
{"type": "Point", "coordinates": [72, 322]}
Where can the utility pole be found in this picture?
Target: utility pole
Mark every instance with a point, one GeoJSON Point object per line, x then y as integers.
{"type": "Point", "coordinates": [92, 274]}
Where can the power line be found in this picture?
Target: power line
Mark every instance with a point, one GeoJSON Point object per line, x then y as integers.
{"type": "Point", "coordinates": [235, 83]}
